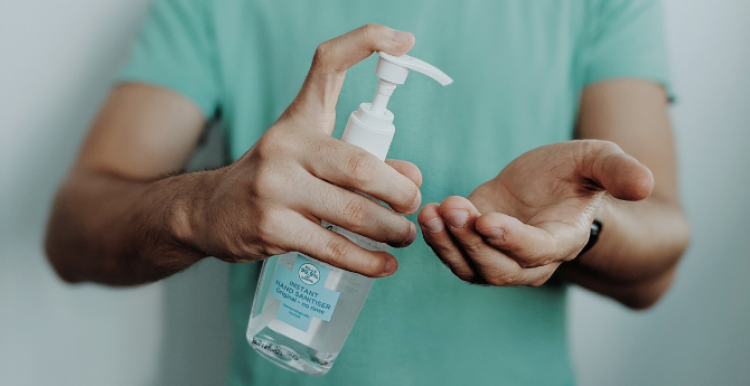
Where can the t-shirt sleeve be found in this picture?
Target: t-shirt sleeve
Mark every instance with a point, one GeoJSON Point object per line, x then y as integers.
{"type": "Point", "coordinates": [175, 49]}
{"type": "Point", "coordinates": [627, 41]}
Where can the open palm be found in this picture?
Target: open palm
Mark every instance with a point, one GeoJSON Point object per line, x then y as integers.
{"type": "Point", "coordinates": [517, 228]}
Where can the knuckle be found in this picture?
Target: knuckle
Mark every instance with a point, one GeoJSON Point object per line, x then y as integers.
{"type": "Point", "coordinates": [265, 232]}
{"type": "Point", "coordinates": [336, 250]}
{"type": "Point", "coordinates": [240, 248]}
{"type": "Point", "coordinates": [255, 249]}
{"type": "Point", "coordinates": [360, 168]}
{"type": "Point", "coordinates": [269, 226]}
{"type": "Point", "coordinates": [273, 250]}
{"type": "Point", "coordinates": [323, 55]}
{"type": "Point", "coordinates": [269, 234]}
{"type": "Point", "coordinates": [271, 144]}
{"type": "Point", "coordinates": [268, 183]}
{"type": "Point", "coordinates": [372, 30]}
{"type": "Point", "coordinates": [355, 212]}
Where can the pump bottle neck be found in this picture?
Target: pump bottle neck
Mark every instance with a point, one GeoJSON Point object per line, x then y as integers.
{"type": "Point", "coordinates": [382, 95]}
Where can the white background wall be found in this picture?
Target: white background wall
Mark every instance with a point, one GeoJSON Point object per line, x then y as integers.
{"type": "Point", "coordinates": [56, 59]}
{"type": "Point", "coordinates": [699, 334]}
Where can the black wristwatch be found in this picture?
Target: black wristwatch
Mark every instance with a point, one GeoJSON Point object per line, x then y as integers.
{"type": "Point", "coordinates": [596, 229]}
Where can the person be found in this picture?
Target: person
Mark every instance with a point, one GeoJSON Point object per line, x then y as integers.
{"type": "Point", "coordinates": [558, 114]}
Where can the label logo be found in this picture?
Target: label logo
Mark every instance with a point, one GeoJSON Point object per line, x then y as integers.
{"type": "Point", "coordinates": [309, 274]}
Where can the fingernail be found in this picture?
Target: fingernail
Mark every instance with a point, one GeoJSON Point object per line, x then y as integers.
{"type": "Point", "coordinates": [412, 234]}
{"type": "Point", "coordinates": [434, 226]}
{"type": "Point", "coordinates": [400, 36]}
{"type": "Point", "coordinates": [390, 266]}
{"type": "Point", "coordinates": [493, 233]}
{"type": "Point", "coordinates": [415, 205]}
{"type": "Point", "coordinates": [456, 218]}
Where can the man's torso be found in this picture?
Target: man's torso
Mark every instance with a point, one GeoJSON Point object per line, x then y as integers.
{"type": "Point", "coordinates": [516, 86]}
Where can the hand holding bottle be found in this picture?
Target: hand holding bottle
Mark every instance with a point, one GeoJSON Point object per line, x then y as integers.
{"type": "Point", "coordinates": [273, 198]}
{"type": "Point", "coordinates": [304, 308]}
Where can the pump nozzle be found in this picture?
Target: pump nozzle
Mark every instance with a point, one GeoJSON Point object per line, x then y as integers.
{"type": "Point", "coordinates": [371, 126]}
{"type": "Point", "coordinates": [393, 70]}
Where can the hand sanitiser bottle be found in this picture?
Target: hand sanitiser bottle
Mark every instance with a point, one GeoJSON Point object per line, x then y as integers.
{"type": "Point", "coordinates": [304, 309]}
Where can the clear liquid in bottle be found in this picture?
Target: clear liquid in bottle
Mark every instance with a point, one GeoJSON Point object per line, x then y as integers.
{"type": "Point", "coordinates": [304, 309]}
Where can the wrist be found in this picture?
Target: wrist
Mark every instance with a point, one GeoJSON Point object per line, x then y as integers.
{"type": "Point", "coordinates": [186, 219]}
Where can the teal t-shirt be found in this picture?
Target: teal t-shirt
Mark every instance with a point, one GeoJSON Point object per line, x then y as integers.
{"type": "Point", "coordinates": [519, 67]}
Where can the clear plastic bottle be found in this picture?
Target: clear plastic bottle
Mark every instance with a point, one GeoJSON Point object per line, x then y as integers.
{"type": "Point", "coordinates": [304, 309]}
{"type": "Point", "coordinates": [307, 344]}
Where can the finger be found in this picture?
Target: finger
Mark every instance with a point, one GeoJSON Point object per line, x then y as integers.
{"type": "Point", "coordinates": [491, 264]}
{"type": "Point", "coordinates": [332, 248]}
{"type": "Point", "coordinates": [349, 166]}
{"type": "Point", "coordinates": [437, 237]}
{"type": "Point", "coordinates": [528, 245]}
{"type": "Point", "coordinates": [620, 174]}
{"type": "Point", "coordinates": [355, 213]}
{"type": "Point", "coordinates": [408, 169]}
{"type": "Point", "coordinates": [481, 265]}
{"type": "Point", "coordinates": [338, 54]}
{"type": "Point", "coordinates": [320, 92]}
{"type": "Point", "coordinates": [459, 216]}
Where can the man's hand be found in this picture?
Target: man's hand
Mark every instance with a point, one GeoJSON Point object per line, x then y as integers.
{"type": "Point", "coordinates": [272, 200]}
{"type": "Point", "coordinates": [519, 227]}
{"type": "Point", "coordinates": [117, 220]}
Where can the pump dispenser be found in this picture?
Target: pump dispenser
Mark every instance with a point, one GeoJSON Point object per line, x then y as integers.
{"type": "Point", "coordinates": [304, 309]}
{"type": "Point", "coordinates": [371, 126]}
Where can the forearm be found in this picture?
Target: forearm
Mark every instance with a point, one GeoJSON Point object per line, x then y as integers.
{"type": "Point", "coordinates": [637, 252]}
{"type": "Point", "coordinates": [637, 295]}
{"type": "Point", "coordinates": [117, 231]}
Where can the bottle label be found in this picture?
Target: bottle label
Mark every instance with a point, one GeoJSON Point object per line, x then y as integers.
{"type": "Point", "coordinates": [303, 294]}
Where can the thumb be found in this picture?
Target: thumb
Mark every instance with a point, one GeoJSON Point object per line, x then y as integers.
{"type": "Point", "coordinates": [621, 175]}
{"type": "Point", "coordinates": [317, 99]}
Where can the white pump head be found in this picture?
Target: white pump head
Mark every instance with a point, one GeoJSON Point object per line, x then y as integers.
{"type": "Point", "coordinates": [394, 69]}
{"type": "Point", "coordinates": [371, 126]}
